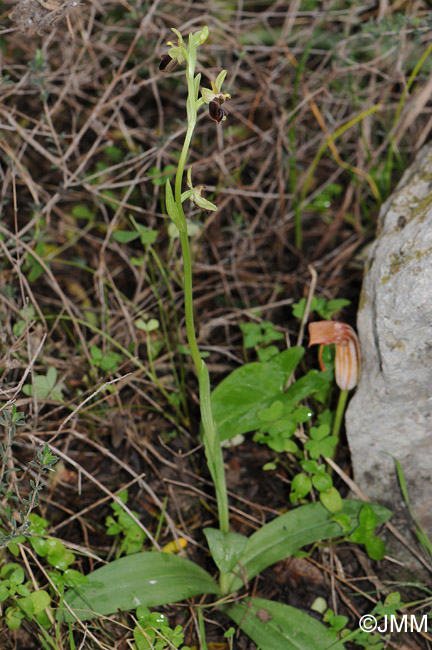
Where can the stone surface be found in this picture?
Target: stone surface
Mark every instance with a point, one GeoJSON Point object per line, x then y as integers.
{"type": "Point", "coordinates": [390, 415]}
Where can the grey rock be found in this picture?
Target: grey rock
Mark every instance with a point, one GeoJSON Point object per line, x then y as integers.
{"type": "Point", "coordinates": [390, 415]}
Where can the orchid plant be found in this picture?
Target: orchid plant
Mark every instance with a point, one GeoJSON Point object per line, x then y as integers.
{"type": "Point", "coordinates": [152, 578]}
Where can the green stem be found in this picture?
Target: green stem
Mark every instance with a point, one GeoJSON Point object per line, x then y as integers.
{"type": "Point", "coordinates": [181, 166]}
{"type": "Point", "coordinates": [213, 449]}
{"type": "Point", "coordinates": [212, 444]}
{"type": "Point", "coordinates": [340, 410]}
{"type": "Point", "coordinates": [224, 582]}
{"type": "Point", "coordinates": [188, 301]}
{"type": "Point", "coordinates": [201, 628]}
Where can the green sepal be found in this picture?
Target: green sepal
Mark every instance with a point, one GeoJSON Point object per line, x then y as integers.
{"type": "Point", "coordinates": [207, 95]}
{"type": "Point", "coordinates": [186, 195]}
{"type": "Point", "coordinates": [220, 79]}
{"type": "Point", "coordinates": [202, 203]}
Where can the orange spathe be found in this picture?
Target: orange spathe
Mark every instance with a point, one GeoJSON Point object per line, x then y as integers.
{"type": "Point", "coordinates": [347, 350]}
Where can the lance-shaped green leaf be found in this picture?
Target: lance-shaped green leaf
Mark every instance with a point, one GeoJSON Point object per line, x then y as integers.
{"type": "Point", "coordinates": [197, 82]}
{"type": "Point", "coordinates": [288, 533]}
{"type": "Point", "coordinates": [148, 578]}
{"type": "Point", "coordinates": [238, 399]}
{"type": "Point", "coordinates": [226, 548]}
{"type": "Point", "coordinates": [275, 626]}
{"type": "Point", "coordinates": [171, 207]}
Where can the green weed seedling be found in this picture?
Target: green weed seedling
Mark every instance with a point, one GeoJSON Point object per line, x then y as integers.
{"type": "Point", "coordinates": [324, 308]}
{"type": "Point", "coordinates": [83, 211]}
{"type": "Point", "coordinates": [29, 603]}
{"type": "Point", "coordinates": [364, 533]}
{"type": "Point", "coordinates": [320, 479]}
{"type": "Point", "coordinates": [108, 362]}
{"type": "Point", "coordinates": [121, 524]}
{"type": "Point", "coordinates": [53, 551]}
{"type": "Point", "coordinates": [321, 442]}
{"type": "Point", "coordinates": [97, 176]}
{"type": "Point", "coordinates": [159, 177]}
{"type": "Point", "coordinates": [259, 336]}
{"type": "Point", "coordinates": [115, 154]}
{"type": "Point", "coordinates": [50, 548]}
{"type": "Point", "coordinates": [32, 266]}
{"type": "Point", "coordinates": [152, 631]}
{"type": "Point", "coordinates": [323, 201]}
{"type": "Point", "coordinates": [336, 622]}
{"type": "Point", "coordinates": [26, 603]}
{"type": "Point", "coordinates": [364, 639]}
{"type": "Point", "coordinates": [236, 406]}
{"type": "Point", "coordinates": [28, 314]}
{"type": "Point", "coordinates": [45, 386]}
{"type": "Point", "coordinates": [154, 342]}
{"type": "Point", "coordinates": [145, 235]}
{"type": "Point", "coordinates": [23, 600]}
{"type": "Point", "coordinates": [15, 522]}
{"type": "Point", "coordinates": [279, 423]}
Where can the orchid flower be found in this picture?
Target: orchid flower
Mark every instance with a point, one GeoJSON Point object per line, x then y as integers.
{"type": "Point", "coordinates": [194, 194]}
{"type": "Point", "coordinates": [215, 98]}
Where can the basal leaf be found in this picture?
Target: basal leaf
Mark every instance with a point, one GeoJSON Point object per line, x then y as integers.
{"type": "Point", "coordinates": [275, 626]}
{"type": "Point", "coordinates": [238, 399]}
{"type": "Point", "coordinates": [226, 548]}
{"type": "Point", "coordinates": [286, 534]}
{"type": "Point", "coordinates": [148, 578]}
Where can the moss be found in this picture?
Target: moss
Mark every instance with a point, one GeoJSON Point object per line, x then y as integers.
{"type": "Point", "coordinates": [363, 300]}
{"type": "Point", "coordinates": [399, 260]}
{"type": "Point", "coordinates": [367, 268]}
{"type": "Point", "coordinates": [421, 208]}
{"type": "Point", "coordinates": [396, 261]}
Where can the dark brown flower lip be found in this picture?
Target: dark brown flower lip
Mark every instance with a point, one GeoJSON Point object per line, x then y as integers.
{"type": "Point", "coordinates": [216, 111]}
{"type": "Point", "coordinates": [167, 64]}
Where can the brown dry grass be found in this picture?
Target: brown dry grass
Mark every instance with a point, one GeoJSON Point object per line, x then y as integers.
{"type": "Point", "coordinates": [80, 79]}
